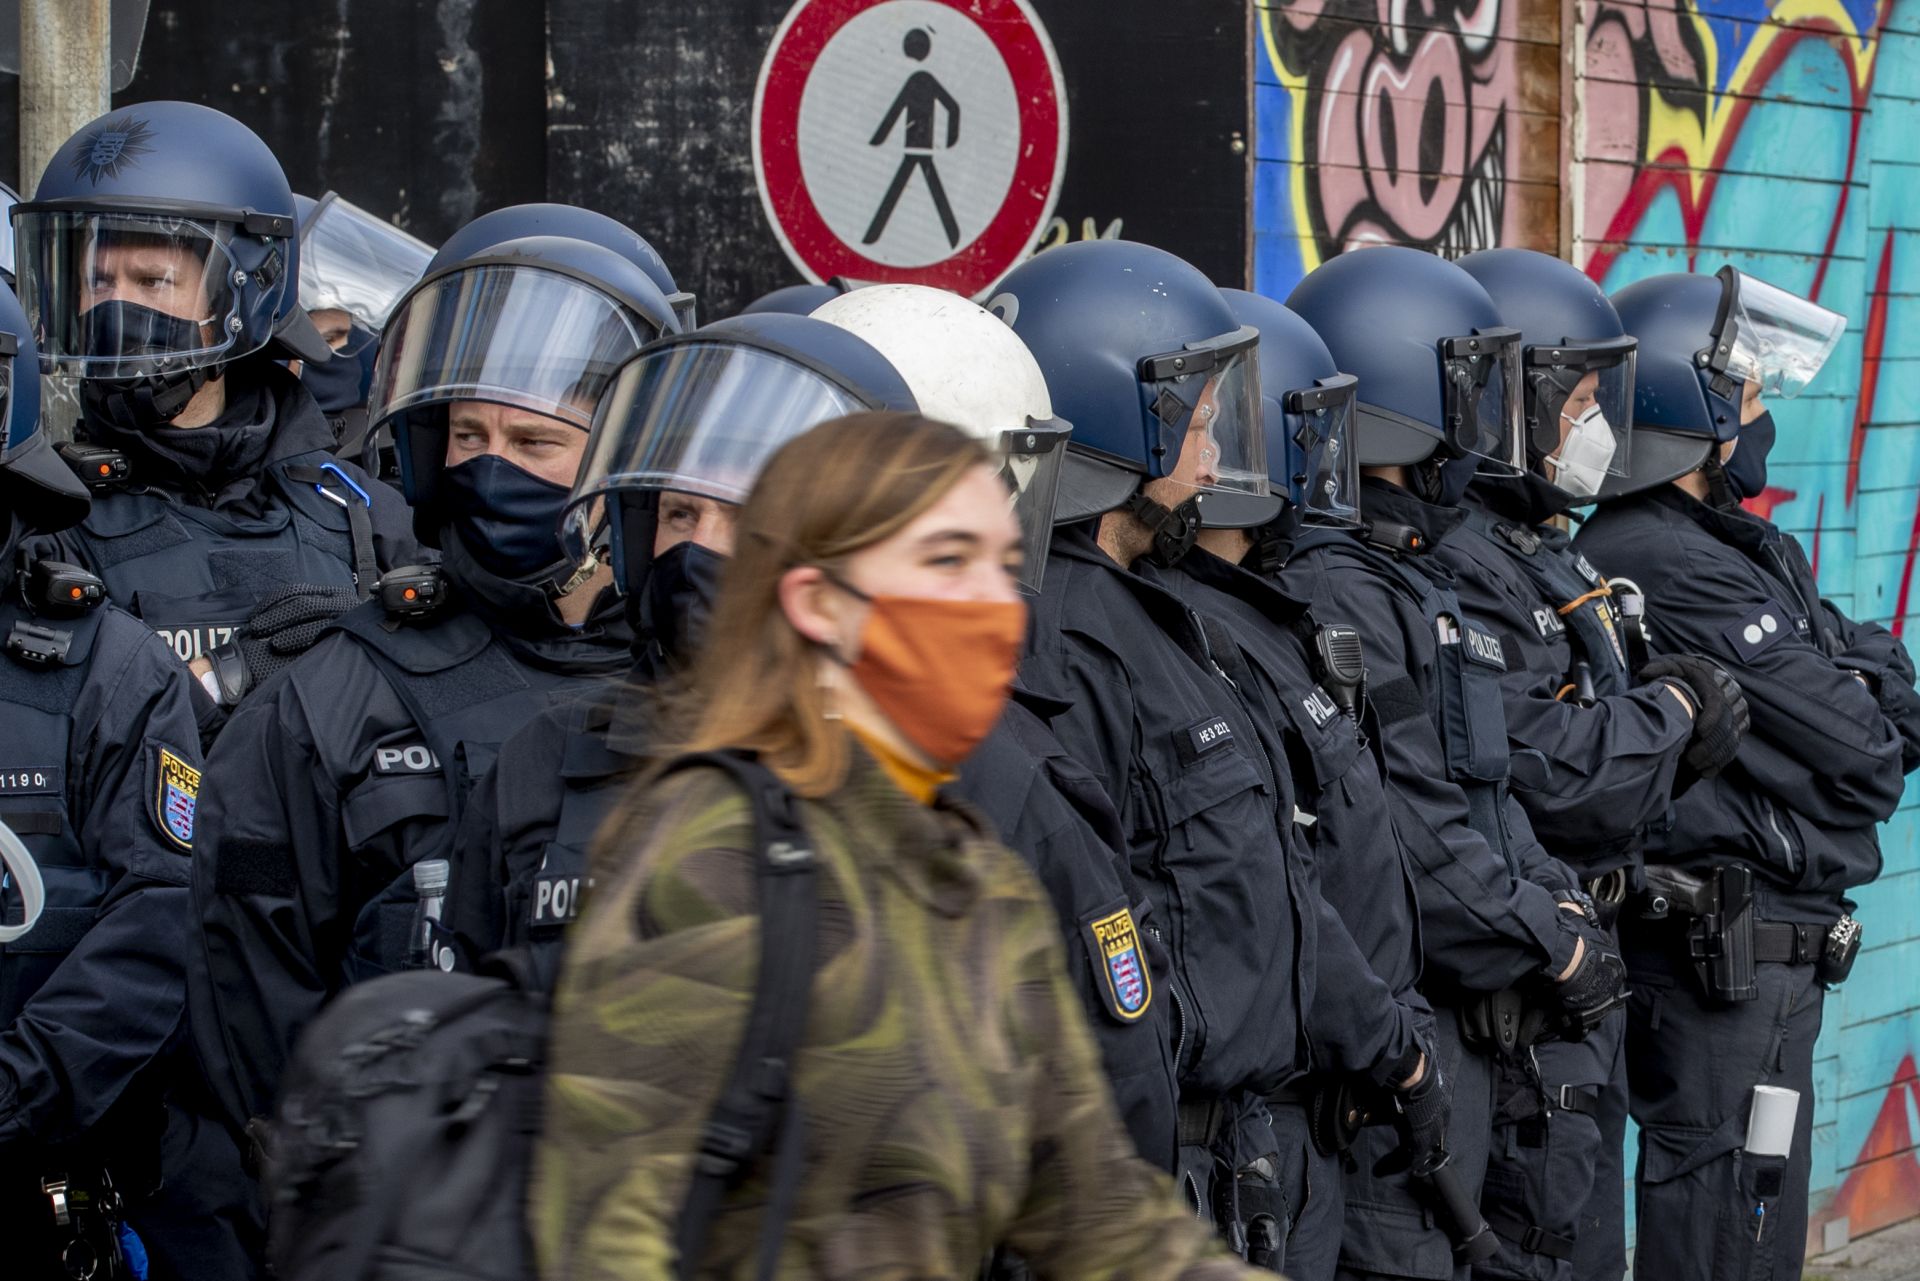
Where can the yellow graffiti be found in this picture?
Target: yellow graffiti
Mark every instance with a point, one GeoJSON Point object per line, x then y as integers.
{"type": "Point", "coordinates": [1671, 127]}
{"type": "Point", "coordinates": [1296, 87]}
{"type": "Point", "coordinates": [1059, 232]}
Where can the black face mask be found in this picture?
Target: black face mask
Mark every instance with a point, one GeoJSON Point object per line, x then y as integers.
{"type": "Point", "coordinates": [341, 384]}
{"type": "Point", "coordinates": [677, 600]}
{"type": "Point", "coordinates": [123, 329]}
{"type": "Point", "coordinates": [507, 517]}
{"type": "Point", "coordinates": [1747, 469]}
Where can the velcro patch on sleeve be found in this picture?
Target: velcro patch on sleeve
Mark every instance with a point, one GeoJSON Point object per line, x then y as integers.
{"type": "Point", "coordinates": [1397, 700]}
{"type": "Point", "coordinates": [1760, 630]}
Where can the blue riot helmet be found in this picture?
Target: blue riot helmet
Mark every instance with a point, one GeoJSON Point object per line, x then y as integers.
{"type": "Point", "coordinates": [540, 324]}
{"type": "Point", "coordinates": [8, 199]}
{"type": "Point", "coordinates": [1577, 364]}
{"type": "Point", "coordinates": [1439, 371]}
{"type": "Point", "coordinates": [1702, 340]}
{"type": "Point", "coordinates": [574, 223]}
{"type": "Point", "coordinates": [798, 300]}
{"type": "Point", "coordinates": [1146, 360]}
{"type": "Point", "coordinates": [36, 485]}
{"type": "Point", "coordinates": [1307, 411]}
{"type": "Point", "coordinates": [160, 245]}
{"type": "Point", "coordinates": [700, 413]}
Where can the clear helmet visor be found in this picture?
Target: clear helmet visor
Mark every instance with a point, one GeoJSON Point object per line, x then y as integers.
{"type": "Point", "coordinates": [1586, 415]}
{"type": "Point", "coordinates": [1323, 467]}
{"type": "Point", "coordinates": [699, 417]}
{"type": "Point", "coordinates": [509, 334]}
{"type": "Point", "coordinates": [1780, 340]}
{"type": "Point", "coordinates": [7, 201]}
{"type": "Point", "coordinates": [1211, 437]}
{"type": "Point", "coordinates": [118, 295]}
{"type": "Point", "coordinates": [1483, 398]}
{"type": "Point", "coordinates": [354, 262]}
{"type": "Point", "coordinates": [1030, 460]}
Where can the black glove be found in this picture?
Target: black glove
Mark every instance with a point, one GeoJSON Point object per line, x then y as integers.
{"type": "Point", "coordinates": [1420, 1115]}
{"type": "Point", "coordinates": [1595, 988]}
{"type": "Point", "coordinates": [279, 630]}
{"type": "Point", "coordinates": [1720, 714]}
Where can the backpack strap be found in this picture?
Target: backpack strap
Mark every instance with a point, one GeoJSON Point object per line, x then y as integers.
{"type": "Point", "coordinates": [759, 1097]}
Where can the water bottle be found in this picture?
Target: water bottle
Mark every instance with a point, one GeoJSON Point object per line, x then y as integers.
{"type": "Point", "coordinates": [430, 876]}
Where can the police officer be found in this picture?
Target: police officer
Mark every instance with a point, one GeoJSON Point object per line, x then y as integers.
{"type": "Point", "coordinates": [1596, 749]}
{"type": "Point", "coordinates": [1746, 920]}
{"type": "Point", "coordinates": [336, 792]}
{"type": "Point", "coordinates": [1370, 1028]}
{"type": "Point", "coordinates": [684, 430]}
{"type": "Point", "coordinates": [159, 261]}
{"type": "Point", "coordinates": [99, 779]}
{"type": "Point", "coordinates": [1508, 948]}
{"type": "Point", "coordinates": [1144, 357]}
{"type": "Point", "coordinates": [353, 268]}
{"type": "Point", "coordinates": [967, 368]}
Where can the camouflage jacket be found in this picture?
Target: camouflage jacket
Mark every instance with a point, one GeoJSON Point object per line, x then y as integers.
{"type": "Point", "coordinates": [952, 1090]}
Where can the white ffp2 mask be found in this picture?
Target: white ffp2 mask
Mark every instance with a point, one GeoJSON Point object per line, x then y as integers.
{"type": "Point", "coordinates": [1581, 465]}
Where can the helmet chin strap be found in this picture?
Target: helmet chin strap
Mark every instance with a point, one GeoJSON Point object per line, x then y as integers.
{"type": "Point", "coordinates": [1719, 489]}
{"type": "Point", "coordinates": [1173, 528]}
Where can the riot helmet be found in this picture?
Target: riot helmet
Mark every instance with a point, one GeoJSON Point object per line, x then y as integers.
{"type": "Point", "coordinates": [1440, 373]}
{"type": "Point", "coordinates": [525, 335]}
{"type": "Point", "coordinates": [1577, 365]}
{"type": "Point", "coordinates": [1307, 413]}
{"type": "Point", "coordinates": [700, 413]}
{"type": "Point", "coordinates": [1704, 341]}
{"type": "Point", "coordinates": [36, 485]}
{"type": "Point", "coordinates": [160, 245]}
{"type": "Point", "coordinates": [574, 223]}
{"type": "Point", "coordinates": [1160, 381]}
{"type": "Point", "coordinates": [967, 368]}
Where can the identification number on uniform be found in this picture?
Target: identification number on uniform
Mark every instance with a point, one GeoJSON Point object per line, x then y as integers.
{"type": "Point", "coordinates": [30, 780]}
{"type": "Point", "coordinates": [1114, 941]}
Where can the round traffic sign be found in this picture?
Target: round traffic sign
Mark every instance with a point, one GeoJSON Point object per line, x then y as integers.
{"type": "Point", "coordinates": [917, 141]}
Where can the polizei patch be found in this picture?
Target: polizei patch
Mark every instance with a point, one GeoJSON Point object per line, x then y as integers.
{"type": "Point", "coordinates": [176, 798]}
{"type": "Point", "coordinates": [1114, 943]}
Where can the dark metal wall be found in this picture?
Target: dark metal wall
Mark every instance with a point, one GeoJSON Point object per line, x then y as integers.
{"type": "Point", "coordinates": [431, 111]}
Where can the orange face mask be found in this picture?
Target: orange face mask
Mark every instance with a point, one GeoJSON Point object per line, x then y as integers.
{"type": "Point", "coordinates": [940, 669]}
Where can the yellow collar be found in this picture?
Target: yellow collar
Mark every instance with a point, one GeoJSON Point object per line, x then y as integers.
{"type": "Point", "coordinates": [911, 777]}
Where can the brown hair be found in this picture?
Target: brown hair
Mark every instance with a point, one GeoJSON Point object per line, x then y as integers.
{"type": "Point", "coordinates": [843, 486]}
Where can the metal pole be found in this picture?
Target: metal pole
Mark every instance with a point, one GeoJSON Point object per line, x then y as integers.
{"type": "Point", "coordinates": [66, 75]}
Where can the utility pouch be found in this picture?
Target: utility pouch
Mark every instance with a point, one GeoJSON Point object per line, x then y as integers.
{"type": "Point", "coordinates": [1334, 1116]}
{"type": "Point", "coordinates": [1843, 945]}
{"type": "Point", "coordinates": [1492, 1022]}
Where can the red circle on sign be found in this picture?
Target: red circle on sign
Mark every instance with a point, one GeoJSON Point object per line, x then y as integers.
{"type": "Point", "coordinates": [813, 245]}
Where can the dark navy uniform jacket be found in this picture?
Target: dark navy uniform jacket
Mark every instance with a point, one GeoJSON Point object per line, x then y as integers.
{"type": "Point", "coordinates": [193, 555]}
{"type": "Point", "coordinates": [1486, 923]}
{"type": "Point", "coordinates": [1154, 718]}
{"type": "Point", "coordinates": [1590, 778]}
{"type": "Point", "coordinates": [333, 779]}
{"type": "Point", "coordinates": [1365, 1010]}
{"type": "Point", "coordinates": [1836, 723]}
{"type": "Point", "coordinates": [1051, 811]}
{"type": "Point", "coordinates": [99, 777]}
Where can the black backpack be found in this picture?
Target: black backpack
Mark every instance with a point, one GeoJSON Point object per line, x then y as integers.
{"type": "Point", "coordinates": [403, 1142]}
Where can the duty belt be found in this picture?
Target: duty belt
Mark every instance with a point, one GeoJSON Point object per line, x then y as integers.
{"type": "Point", "coordinates": [1786, 943]}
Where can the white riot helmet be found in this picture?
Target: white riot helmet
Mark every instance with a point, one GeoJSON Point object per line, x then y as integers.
{"type": "Point", "coordinates": [966, 367]}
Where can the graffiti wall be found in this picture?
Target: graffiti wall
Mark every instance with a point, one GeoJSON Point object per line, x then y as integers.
{"type": "Point", "coordinates": [1645, 136]}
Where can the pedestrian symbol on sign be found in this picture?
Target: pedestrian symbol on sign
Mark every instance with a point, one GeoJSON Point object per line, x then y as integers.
{"type": "Point", "coordinates": [917, 100]}
{"type": "Point", "coordinates": [911, 141]}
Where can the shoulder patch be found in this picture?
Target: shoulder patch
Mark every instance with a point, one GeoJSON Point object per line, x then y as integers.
{"type": "Point", "coordinates": [176, 798]}
{"type": "Point", "coordinates": [1119, 962]}
{"type": "Point", "coordinates": [1762, 628]}
{"type": "Point", "coordinates": [32, 780]}
{"type": "Point", "coordinates": [1548, 622]}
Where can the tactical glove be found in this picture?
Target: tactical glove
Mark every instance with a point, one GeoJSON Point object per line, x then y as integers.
{"type": "Point", "coordinates": [279, 630]}
{"type": "Point", "coordinates": [1595, 988]}
{"type": "Point", "coordinates": [1720, 714]}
